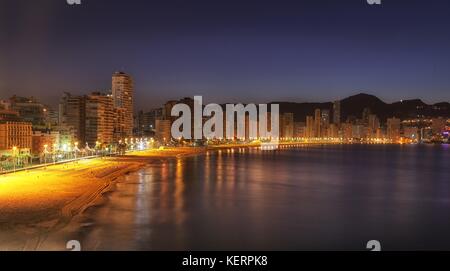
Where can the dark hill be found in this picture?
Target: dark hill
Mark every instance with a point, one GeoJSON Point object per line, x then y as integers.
{"type": "Point", "coordinates": [354, 106]}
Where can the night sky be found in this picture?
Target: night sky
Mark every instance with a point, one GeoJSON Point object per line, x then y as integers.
{"type": "Point", "coordinates": [227, 51]}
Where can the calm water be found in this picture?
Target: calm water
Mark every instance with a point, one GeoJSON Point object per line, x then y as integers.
{"type": "Point", "coordinates": [333, 197]}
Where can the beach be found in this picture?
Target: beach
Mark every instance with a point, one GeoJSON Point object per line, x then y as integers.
{"type": "Point", "coordinates": [45, 199]}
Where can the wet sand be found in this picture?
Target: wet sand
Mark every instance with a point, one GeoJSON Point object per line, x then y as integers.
{"type": "Point", "coordinates": [39, 201]}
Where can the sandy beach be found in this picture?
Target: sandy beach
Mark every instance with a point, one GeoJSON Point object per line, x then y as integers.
{"type": "Point", "coordinates": [44, 200]}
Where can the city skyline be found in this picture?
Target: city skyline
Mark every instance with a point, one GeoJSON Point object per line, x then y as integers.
{"type": "Point", "coordinates": [106, 122]}
{"type": "Point", "coordinates": [226, 126]}
{"type": "Point", "coordinates": [107, 119]}
{"type": "Point", "coordinates": [254, 53]}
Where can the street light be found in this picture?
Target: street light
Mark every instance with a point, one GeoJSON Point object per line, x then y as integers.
{"type": "Point", "coordinates": [65, 149]}
{"type": "Point", "coordinates": [45, 153]}
{"type": "Point", "coordinates": [54, 152]}
{"type": "Point", "coordinates": [14, 149]}
{"type": "Point", "coordinates": [76, 149]}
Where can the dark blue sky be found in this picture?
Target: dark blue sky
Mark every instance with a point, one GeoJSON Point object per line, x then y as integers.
{"type": "Point", "coordinates": [227, 51]}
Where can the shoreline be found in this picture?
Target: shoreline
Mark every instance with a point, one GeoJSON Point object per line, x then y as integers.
{"type": "Point", "coordinates": [36, 202]}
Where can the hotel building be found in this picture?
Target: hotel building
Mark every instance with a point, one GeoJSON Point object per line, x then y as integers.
{"type": "Point", "coordinates": [122, 95]}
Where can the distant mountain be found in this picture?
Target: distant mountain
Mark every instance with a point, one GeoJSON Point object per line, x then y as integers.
{"type": "Point", "coordinates": [355, 105]}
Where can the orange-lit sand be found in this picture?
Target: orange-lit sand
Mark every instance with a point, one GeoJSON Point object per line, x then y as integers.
{"type": "Point", "coordinates": [45, 199]}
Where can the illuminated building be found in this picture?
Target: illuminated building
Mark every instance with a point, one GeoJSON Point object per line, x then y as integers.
{"type": "Point", "coordinates": [287, 125]}
{"type": "Point", "coordinates": [138, 126]}
{"type": "Point", "coordinates": [145, 121]}
{"type": "Point", "coordinates": [166, 111]}
{"type": "Point", "coordinates": [9, 115]}
{"type": "Point", "coordinates": [91, 118]}
{"type": "Point", "coordinates": [269, 124]}
{"type": "Point", "coordinates": [333, 131]}
{"type": "Point", "coordinates": [163, 130]}
{"type": "Point", "coordinates": [309, 126]}
{"type": "Point", "coordinates": [372, 126]}
{"type": "Point", "coordinates": [337, 113]}
{"type": "Point", "coordinates": [347, 130]}
{"type": "Point", "coordinates": [380, 133]}
{"type": "Point", "coordinates": [393, 129]}
{"type": "Point", "coordinates": [411, 133]}
{"type": "Point", "coordinates": [365, 115]}
{"type": "Point", "coordinates": [72, 114]}
{"type": "Point", "coordinates": [325, 122]}
{"type": "Point", "coordinates": [15, 134]}
{"type": "Point", "coordinates": [299, 129]}
{"type": "Point", "coordinates": [359, 131]}
{"type": "Point", "coordinates": [42, 141]}
{"type": "Point", "coordinates": [66, 134]}
{"type": "Point", "coordinates": [151, 117]}
{"type": "Point", "coordinates": [122, 94]}
{"type": "Point", "coordinates": [99, 121]}
{"type": "Point", "coordinates": [438, 125]}
{"type": "Point", "coordinates": [317, 123]}
{"type": "Point", "coordinates": [248, 124]}
{"type": "Point", "coordinates": [30, 110]}
{"type": "Point", "coordinates": [5, 105]}
{"type": "Point", "coordinates": [52, 118]}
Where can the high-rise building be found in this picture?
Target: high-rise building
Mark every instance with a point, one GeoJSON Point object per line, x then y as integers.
{"type": "Point", "coordinates": [347, 130]}
{"type": "Point", "coordinates": [168, 109]}
{"type": "Point", "coordinates": [122, 94]}
{"type": "Point", "coordinates": [52, 118]}
{"type": "Point", "coordinates": [72, 115]}
{"type": "Point", "coordinates": [310, 126]}
{"type": "Point", "coordinates": [151, 117]}
{"type": "Point", "coordinates": [139, 123]}
{"type": "Point", "coordinates": [250, 124]}
{"type": "Point", "coordinates": [99, 120]}
{"type": "Point", "coordinates": [372, 126]}
{"type": "Point", "coordinates": [162, 130]}
{"type": "Point", "coordinates": [337, 113]}
{"type": "Point", "coordinates": [287, 125]}
{"type": "Point", "coordinates": [393, 129]}
{"type": "Point", "coordinates": [90, 117]}
{"type": "Point", "coordinates": [325, 117]}
{"type": "Point", "coordinates": [365, 115]}
{"type": "Point", "coordinates": [333, 131]}
{"type": "Point", "coordinates": [358, 131]}
{"type": "Point", "coordinates": [317, 123]}
{"type": "Point", "coordinates": [325, 122]}
{"type": "Point", "coordinates": [299, 129]}
{"type": "Point", "coordinates": [30, 110]}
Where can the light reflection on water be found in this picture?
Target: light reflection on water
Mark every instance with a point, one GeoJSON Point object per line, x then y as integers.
{"type": "Point", "coordinates": [334, 197]}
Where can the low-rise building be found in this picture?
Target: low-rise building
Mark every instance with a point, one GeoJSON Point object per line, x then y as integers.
{"type": "Point", "coordinates": [44, 141]}
{"type": "Point", "coordinates": [15, 134]}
